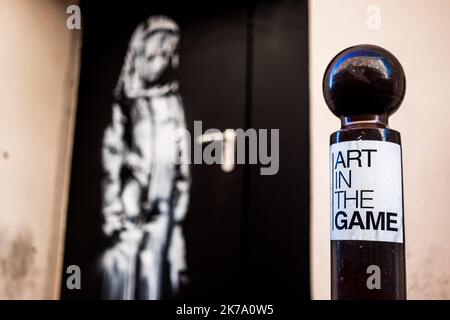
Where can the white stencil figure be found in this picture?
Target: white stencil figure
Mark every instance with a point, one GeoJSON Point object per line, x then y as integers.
{"type": "Point", "coordinates": [146, 173]}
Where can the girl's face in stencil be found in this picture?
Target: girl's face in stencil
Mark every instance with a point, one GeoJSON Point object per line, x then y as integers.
{"type": "Point", "coordinates": [159, 49]}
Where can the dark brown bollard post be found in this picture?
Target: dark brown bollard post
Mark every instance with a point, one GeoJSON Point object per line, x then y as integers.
{"type": "Point", "coordinates": [363, 85]}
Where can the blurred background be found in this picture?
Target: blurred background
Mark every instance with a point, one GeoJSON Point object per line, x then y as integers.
{"type": "Point", "coordinates": [255, 65]}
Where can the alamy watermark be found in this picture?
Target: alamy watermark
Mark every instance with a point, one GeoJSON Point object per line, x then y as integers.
{"type": "Point", "coordinates": [73, 21]}
{"type": "Point", "coordinates": [231, 147]}
{"type": "Point", "coordinates": [373, 21]}
{"type": "Point", "coordinates": [73, 281]}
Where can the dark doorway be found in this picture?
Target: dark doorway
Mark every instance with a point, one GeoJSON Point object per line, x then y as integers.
{"type": "Point", "coordinates": [241, 66]}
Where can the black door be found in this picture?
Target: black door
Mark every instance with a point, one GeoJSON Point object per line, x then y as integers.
{"type": "Point", "coordinates": [241, 66]}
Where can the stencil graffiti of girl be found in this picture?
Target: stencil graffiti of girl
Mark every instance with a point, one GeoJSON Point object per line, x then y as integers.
{"type": "Point", "coordinates": [145, 192]}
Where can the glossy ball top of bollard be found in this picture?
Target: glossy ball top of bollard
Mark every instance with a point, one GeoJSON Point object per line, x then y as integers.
{"type": "Point", "coordinates": [364, 80]}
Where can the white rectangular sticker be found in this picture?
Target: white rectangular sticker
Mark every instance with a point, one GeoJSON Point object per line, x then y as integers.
{"type": "Point", "coordinates": [366, 191]}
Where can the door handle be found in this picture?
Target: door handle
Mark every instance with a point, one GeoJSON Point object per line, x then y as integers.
{"type": "Point", "coordinates": [228, 139]}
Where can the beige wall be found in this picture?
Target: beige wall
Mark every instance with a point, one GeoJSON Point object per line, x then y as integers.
{"type": "Point", "coordinates": [417, 32]}
{"type": "Point", "coordinates": [37, 82]}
